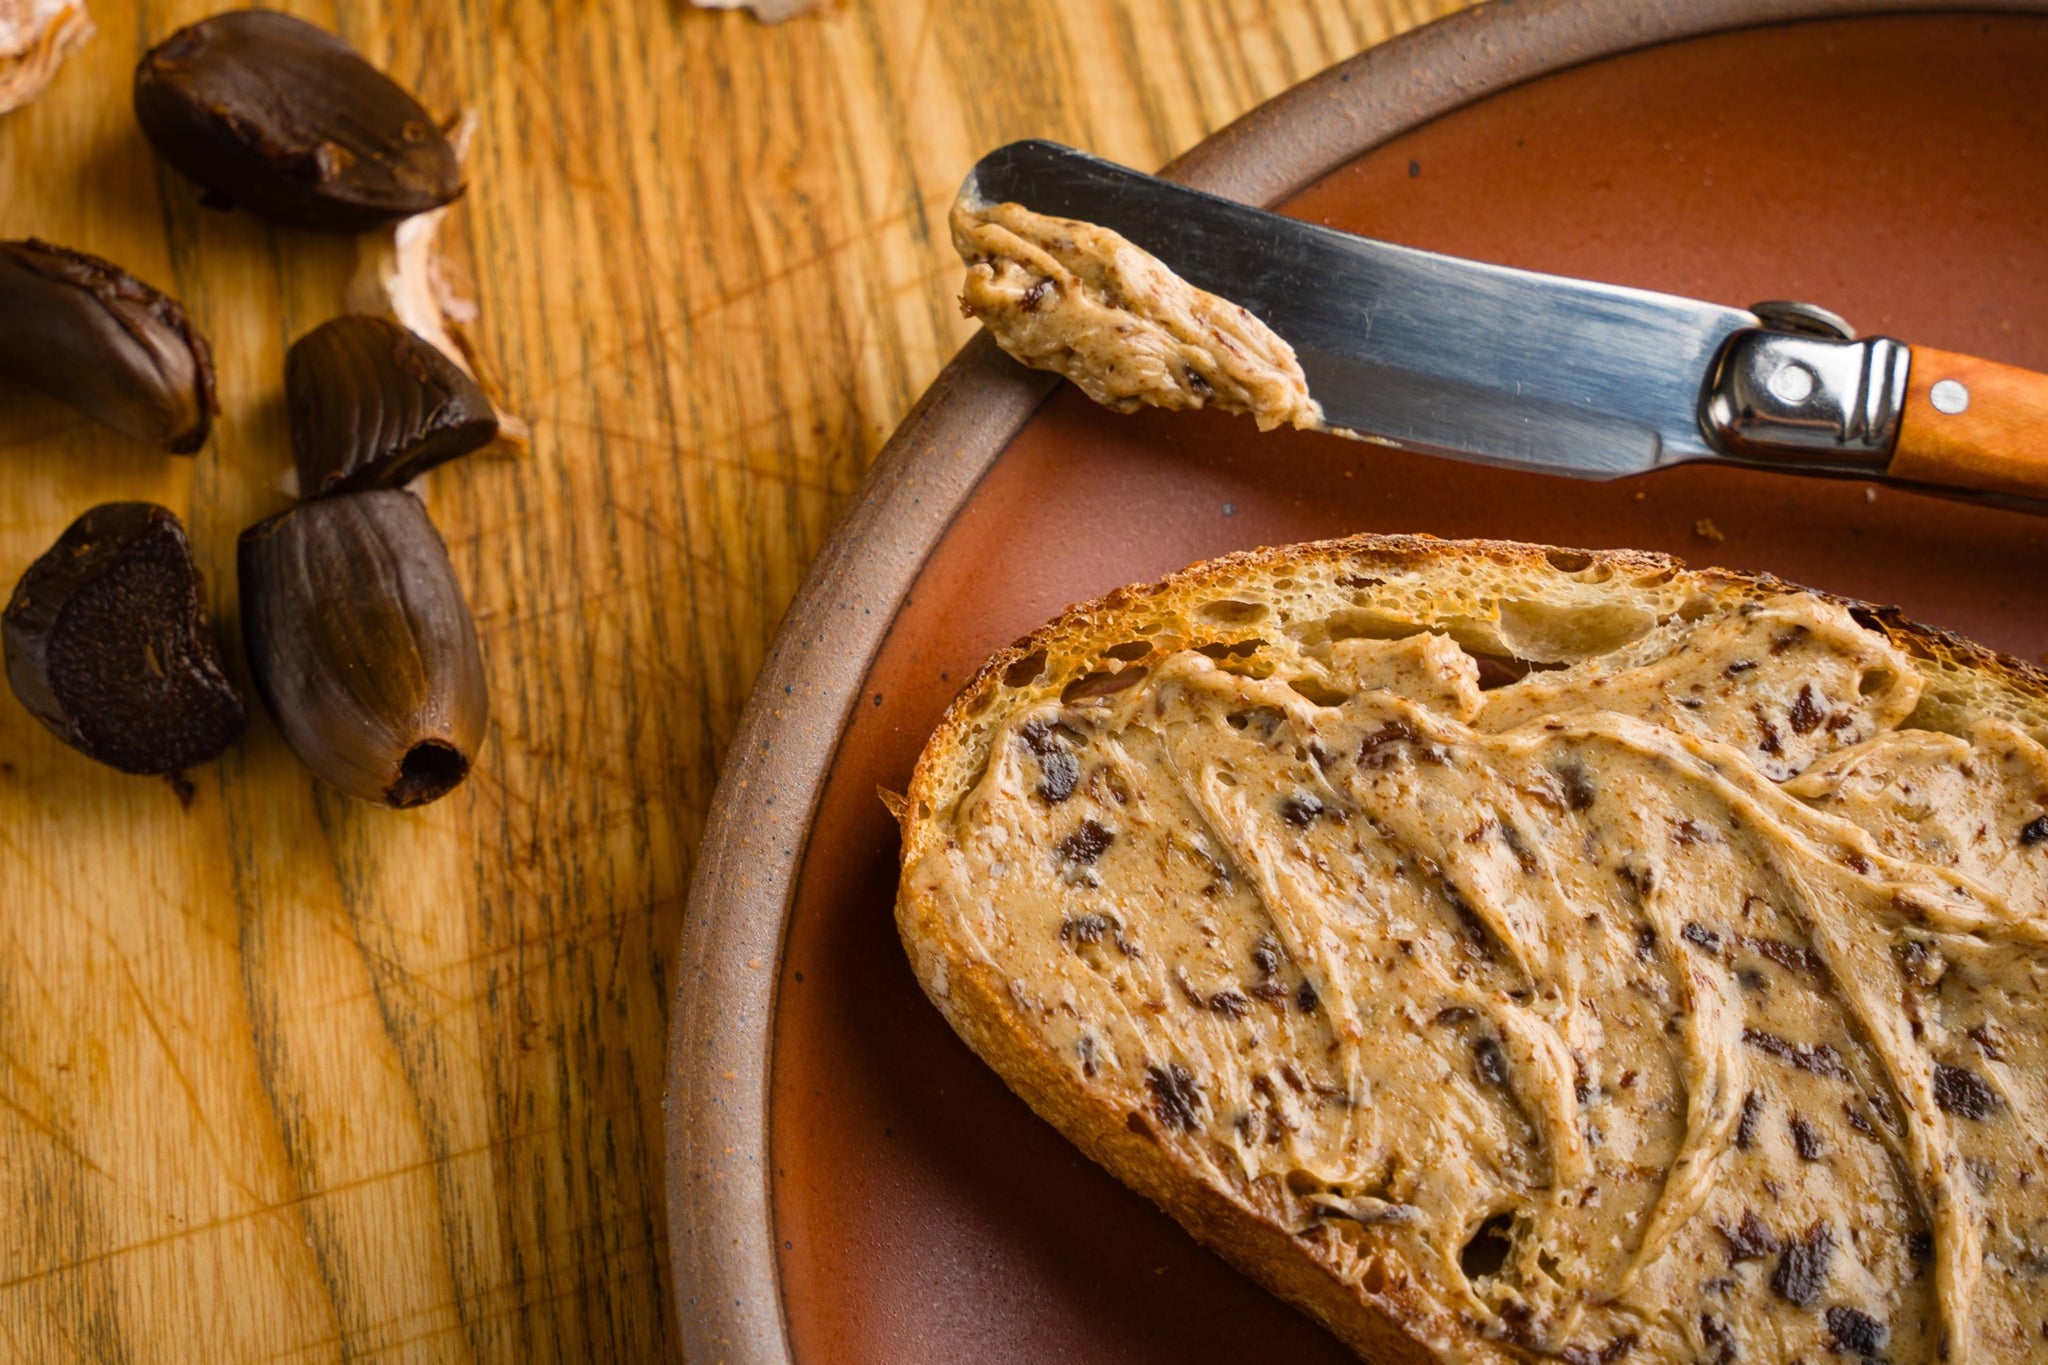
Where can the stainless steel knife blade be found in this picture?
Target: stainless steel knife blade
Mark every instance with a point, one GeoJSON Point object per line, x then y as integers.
{"type": "Point", "coordinates": [1426, 352]}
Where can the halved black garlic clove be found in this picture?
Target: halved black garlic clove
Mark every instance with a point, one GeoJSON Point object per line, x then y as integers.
{"type": "Point", "coordinates": [374, 406]}
{"type": "Point", "coordinates": [90, 334]}
{"type": "Point", "coordinates": [287, 120]}
{"type": "Point", "coordinates": [108, 645]}
{"type": "Point", "coordinates": [362, 647]}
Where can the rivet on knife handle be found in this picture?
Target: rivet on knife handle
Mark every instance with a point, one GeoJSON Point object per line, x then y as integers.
{"type": "Point", "coordinates": [1974, 424]}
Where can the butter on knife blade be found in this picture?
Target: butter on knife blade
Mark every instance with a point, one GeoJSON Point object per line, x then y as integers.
{"type": "Point", "coordinates": [1480, 362]}
{"type": "Point", "coordinates": [1084, 302]}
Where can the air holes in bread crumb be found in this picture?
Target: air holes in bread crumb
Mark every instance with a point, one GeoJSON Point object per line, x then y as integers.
{"type": "Point", "coordinates": [1241, 658]}
{"type": "Point", "coordinates": [1486, 1250]}
{"type": "Point", "coordinates": [1129, 651]}
{"type": "Point", "coordinates": [1875, 681]}
{"type": "Point", "coordinates": [1026, 670]}
{"type": "Point", "coordinates": [1101, 684]}
{"type": "Point", "coordinates": [1550, 633]}
{"type": "Point", "coordinates": [1263, 720]}
{"type": "Point", "coordinates": [1319, 692]}
{"type": "Point", "coordinates": [1568, 561]}
{"type": "Point", "coordinates": [1359, 624]}
{"type": "Point", "coordinates": [1231, 612]}
{"type": "Point", "coordinates": [1499, 672]}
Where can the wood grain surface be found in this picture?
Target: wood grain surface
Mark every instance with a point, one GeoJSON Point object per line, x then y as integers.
{"type": "Point", "coordinates": [285, 1077]}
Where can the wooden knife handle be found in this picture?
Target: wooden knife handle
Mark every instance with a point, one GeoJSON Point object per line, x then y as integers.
{"type": "Point", "coordinates": [1974, 424]}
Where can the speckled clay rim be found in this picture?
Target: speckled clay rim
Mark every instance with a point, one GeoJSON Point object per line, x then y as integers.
{"type": "Point", "coordinates": [721, 1220]}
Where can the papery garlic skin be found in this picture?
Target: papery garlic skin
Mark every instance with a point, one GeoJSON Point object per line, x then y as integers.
{"type": "Point", "coordinates": [399, 275]}
{"type": "Point", "coordinates": [35, 38]}
{"type": "Point", "coordinates": [767, 11]}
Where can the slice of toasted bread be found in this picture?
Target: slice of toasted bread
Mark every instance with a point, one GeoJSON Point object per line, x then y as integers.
{"type": "Point", "coordinates": [1512, 953]}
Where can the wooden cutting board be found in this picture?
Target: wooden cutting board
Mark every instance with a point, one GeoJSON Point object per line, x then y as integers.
{"type": "Point", "coordinates": [283, 1076]}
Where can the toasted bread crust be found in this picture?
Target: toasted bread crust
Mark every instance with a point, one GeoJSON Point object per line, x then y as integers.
{"type": "Point", "coordinates": [981, 1011]}
{"type": "Point", "coordinates": [1456, 586]}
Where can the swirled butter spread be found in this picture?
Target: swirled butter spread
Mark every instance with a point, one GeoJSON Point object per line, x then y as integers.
{"type": "Point", "coordinates": [1678, 1008]}
{"type": "Point", "coordinates": [1084, 302]}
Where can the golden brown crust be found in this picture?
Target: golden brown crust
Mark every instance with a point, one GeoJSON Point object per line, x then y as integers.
{"type": "Point", "coordinates": [1467, 588]}
{"type": "Point", "coordinates": [1947, 658]}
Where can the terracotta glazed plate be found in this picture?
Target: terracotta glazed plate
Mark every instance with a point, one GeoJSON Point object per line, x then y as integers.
{"type": "Point", "coordinates": [847, 1182]}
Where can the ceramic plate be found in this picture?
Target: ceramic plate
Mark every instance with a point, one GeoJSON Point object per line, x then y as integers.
{"type": "Point", "coordinates": [847, 1182]}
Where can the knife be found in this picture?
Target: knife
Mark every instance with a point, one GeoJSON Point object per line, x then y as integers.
{"type": "Point", "coordinates": [1480, 362]}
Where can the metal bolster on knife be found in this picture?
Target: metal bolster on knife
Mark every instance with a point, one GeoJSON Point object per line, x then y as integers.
{"type": "Point", "coordinates": [1802, 392]}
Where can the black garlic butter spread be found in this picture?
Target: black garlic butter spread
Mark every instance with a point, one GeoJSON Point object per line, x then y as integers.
{"type": "Point", "coordinates": [1084, 302]}
{"type": "Point", "coordinates": [1676, 1004]}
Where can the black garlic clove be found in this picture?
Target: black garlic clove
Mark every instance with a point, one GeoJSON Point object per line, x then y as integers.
{"type": "Point", "coordinates": [362, 646]}
{"type": "Point", "coordinates": [288, 121]}
{"type": "Point", "coordinates": [108, 645]}
{"type": "Point", "coordinates": [90, 334]}
{"type": "Point", "coordinates": [375, 406]}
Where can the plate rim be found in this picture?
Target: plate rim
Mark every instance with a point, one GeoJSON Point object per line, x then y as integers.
{"type": "Point", "coordinates": [724, 1274]}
